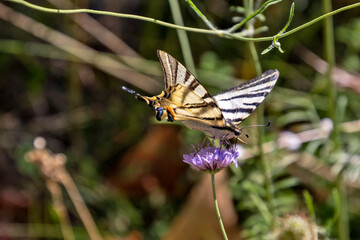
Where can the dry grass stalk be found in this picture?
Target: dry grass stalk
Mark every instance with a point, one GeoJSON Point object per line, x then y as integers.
{"type": "Point", "coordinates": [52, 166]}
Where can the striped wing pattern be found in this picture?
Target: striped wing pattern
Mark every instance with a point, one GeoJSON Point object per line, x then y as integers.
{"type": "Point", "coordinates": [191, 101]}
{"type": "Point", "coordinates": [237, 103]}
{"type": "Point", "coordinates": [176, 73]}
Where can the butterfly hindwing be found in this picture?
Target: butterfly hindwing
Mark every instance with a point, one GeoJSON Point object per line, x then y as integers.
{"type": "Point", "coordinates": [237, 103]}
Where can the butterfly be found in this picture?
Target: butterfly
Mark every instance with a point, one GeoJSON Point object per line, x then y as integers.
{"type": "Point", "coordinates": [185, 99]}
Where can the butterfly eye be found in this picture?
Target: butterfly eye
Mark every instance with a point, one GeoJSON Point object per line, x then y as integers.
{"type": "Point", "coordinates": [159, 113]}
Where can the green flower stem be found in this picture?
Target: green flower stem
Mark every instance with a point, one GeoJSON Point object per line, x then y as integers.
{"type": "Point", "coordinates": [219, 33]}
{"type": "Point", "coordinates": [260, 119]}
{"type": "Point", "coordinates": [217, 207]}
{"type": "Point", "coordinates": [183, 38]}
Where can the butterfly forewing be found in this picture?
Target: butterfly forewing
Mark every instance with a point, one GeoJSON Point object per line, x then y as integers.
{"type": "Point", "coordinates": [176, 73]}
{"type": "Point", "coordinates": [191, 101]}
{"type": "Point", "coordinates": [237, 103]}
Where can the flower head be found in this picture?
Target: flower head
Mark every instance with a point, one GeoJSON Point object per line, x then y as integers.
{"type": "Point", "coordinates": [296, 227]}
{"type": "Point", "coordinates": [211, 159]}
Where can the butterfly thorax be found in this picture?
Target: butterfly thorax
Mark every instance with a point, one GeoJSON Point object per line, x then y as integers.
{"type": "Point", "coordinates": [178, 103]}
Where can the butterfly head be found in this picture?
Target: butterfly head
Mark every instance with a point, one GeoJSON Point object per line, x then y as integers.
{"type": "Point", "coordinates": [233, 132]}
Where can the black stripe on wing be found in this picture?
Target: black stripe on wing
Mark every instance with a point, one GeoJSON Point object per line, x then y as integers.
{"type": "Point", "coordinates": [237, 103]}
{"type": "Point", "coordinates": [246, 96]}
{"type": "Point", "coordinates": [176, 73]}
{"type": "Point", "coordinates": [266, 77]}
{"type": "Point", "coordinates": [187, 76]}
{"type": "Point", "coordinates": [252, 104]}
{"type": "Point", "coordinates": [237, 110]}
{"type": "Point", "coordinates": [199, 105]}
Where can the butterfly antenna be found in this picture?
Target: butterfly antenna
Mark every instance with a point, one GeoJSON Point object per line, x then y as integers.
{"type": "Point", "coordinates": [137, 95]}
{"type": "Point", "coordinates": [260, 125]}
{"type": "Point", "coordinates": [129, 90]}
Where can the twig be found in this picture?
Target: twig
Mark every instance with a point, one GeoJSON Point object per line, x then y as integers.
{"type": "Point", "coordinates": [80, 206]}
{"type": "Point", "coordinates": [60, 209]}
{"type": "Point", "coordinates": [219, 33]}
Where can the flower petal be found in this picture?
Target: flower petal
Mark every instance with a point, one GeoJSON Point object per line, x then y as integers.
{"type": "Point", "coordinates": [211, 159]}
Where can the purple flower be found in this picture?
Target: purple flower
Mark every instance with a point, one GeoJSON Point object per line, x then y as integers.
{"type": "Point", "coordinates": [211, 159]}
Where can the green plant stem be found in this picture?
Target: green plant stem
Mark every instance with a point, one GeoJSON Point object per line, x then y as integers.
{"type": "Point", "coordinates": [248, 4]}
{"type": "Point", "coordinates": [113, 14]}
{"type": "Point", "coordinates": [254, 14]}
{"type": "Point", "coordinates": [310, 204]}
{"type": "Point", "coordinates": [219, 33]}
{"type": "Point", "coordinates": [255, 59]}
{"type": "Point", "coordinates": [217, 206]}
{"type": "Point", "coordinates": [343, 220]}
{"type": "Point", "coordinates": [292, 9]}
{"type": "Point", "coordinates": [183, 38]}
{"type": "Point", "coordinates": [329, 49]}
{"type": "Point", "coordinates": [201, 15]}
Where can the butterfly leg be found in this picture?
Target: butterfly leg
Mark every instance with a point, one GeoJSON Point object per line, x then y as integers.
{"type": "Point", "coordinates": [203, 143]}
{"type": "Point", "coordinates": [240, 140]}
{"type": "Point", "coordinates": [170, 114]}
{"type": "Point", "coordinates": [221, 142]}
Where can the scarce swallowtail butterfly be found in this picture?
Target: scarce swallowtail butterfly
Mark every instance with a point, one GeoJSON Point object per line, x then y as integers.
{"type": "Point", "coordinates": [185, 99]}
